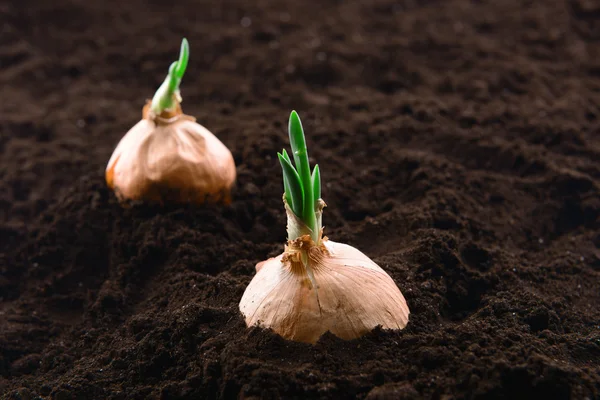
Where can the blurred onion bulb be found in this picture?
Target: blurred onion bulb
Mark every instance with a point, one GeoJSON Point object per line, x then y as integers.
{"type": "Point", "coordinates": [169, 158]}
{"type": "Point", "coordinates": [317, 285]}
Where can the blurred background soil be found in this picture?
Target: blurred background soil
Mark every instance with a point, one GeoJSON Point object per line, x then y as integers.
{"type": "Point", "coordinates": [459, 148]}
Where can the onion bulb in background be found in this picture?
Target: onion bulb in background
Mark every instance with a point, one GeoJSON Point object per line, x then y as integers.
{"type": "Point", "coordinates": [168, 157]}
{"type": "Point", "coordinates": [317, 285]}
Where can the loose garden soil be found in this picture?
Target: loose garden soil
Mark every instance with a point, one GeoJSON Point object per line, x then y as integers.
{"type": "Point", "coordinates": [459, 148]}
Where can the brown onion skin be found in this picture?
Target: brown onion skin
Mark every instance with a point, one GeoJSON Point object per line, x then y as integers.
{"type": "Point", "coordinates": [171, 159]}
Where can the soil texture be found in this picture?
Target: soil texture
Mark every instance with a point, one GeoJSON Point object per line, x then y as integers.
{"type": "Point", "coordinates": [459, 149]}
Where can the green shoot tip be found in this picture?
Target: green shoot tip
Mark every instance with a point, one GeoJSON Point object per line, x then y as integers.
{"type": "Point", "coordinates": [184, 55]}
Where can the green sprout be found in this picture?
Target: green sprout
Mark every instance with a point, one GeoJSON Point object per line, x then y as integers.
{"type": "Point", "coordinates": [167, 96]}
{"type": "Point", "coordinates": [302, 189]}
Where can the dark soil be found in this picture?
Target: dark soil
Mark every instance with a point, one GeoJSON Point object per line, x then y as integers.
{"type": "Point", "coordinates": [459, 147]}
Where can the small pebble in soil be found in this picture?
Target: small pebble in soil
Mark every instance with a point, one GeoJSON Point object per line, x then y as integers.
{"type": "Point", "coordinates": [246, 22]}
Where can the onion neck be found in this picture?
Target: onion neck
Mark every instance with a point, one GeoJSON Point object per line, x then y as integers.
{"type": "Point", "coordinates": [302, 241]}
{"type": "Point", "coordinates": [297, 228]}
{"type": "Point", "coordinates": [299, 256]}
{"type": "Point", "coordinates": [166, 117]}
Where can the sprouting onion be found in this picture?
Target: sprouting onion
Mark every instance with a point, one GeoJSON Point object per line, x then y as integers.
{"type": "Point", "coordinates": [317, 285]}
{"type": "Point", "coordinates": [168, 157]}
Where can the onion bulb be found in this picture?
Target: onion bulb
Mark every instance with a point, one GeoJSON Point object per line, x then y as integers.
{"type": "Point", "coordinates": [168, 157]}
{"type": "Point", "coordinates": [317, 285]}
